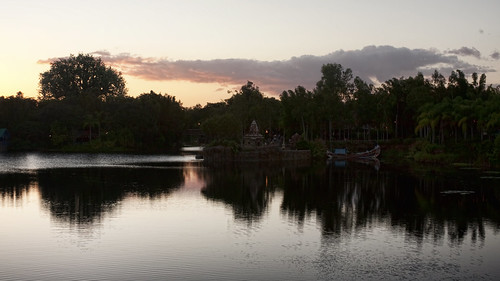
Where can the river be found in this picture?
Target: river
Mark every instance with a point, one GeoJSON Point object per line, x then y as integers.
{"type": "Point", "coordinates": [168, 217]}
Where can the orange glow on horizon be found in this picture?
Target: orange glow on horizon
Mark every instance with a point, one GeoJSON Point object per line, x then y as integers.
{"type": "Point", "coordinates": [189, 93]}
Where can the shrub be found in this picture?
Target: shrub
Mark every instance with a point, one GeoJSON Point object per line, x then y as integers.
{"type": "Point", "coordinates": [317, 147]}
{"type": "Point", "coordinates": [235, 146]}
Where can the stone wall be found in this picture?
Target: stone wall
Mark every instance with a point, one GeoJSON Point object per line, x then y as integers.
{"type": "Point", "coordinates": [221, 154]}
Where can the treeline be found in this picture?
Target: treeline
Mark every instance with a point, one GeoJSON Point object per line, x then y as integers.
{"type": "Point", "coordinates": [84, 105]}
{"type": "Point", "coordinates": [442, 112]}
{"type": "Point", "coordinates": [341, 107]}
{"type": "Point", "coordinates": [150, 122]}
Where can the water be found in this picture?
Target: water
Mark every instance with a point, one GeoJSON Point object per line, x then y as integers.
{"type": "Point", "coordinates": [161, 217]}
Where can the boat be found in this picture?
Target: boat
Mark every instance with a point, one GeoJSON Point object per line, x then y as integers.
{"type": "Point", "coordinates": [343, 153]}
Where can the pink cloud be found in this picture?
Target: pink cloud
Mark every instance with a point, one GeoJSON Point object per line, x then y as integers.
{"type": "Point", "coordinates": [372, 63]}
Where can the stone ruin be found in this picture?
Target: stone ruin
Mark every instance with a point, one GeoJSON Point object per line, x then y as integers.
{"type": "Point", "coordinates": [253, 138]}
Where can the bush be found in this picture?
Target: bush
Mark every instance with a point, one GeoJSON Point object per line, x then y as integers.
{"type": "Point", "coordinates": [425, 147]}
{"type": "Point", "coordinates": [302, 145]}
{"type": "Point", "coordinates": [317, 148]}
{"type": "Point", "coordinates": [235, 146]}
{"type": "Point", "coordinates": [427, 152]}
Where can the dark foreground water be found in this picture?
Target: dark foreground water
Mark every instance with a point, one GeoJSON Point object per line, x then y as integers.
{"type": "Point", "coordinates": [126, 217]}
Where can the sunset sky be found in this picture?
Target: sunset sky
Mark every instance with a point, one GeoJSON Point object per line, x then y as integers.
{"type": "Point", "coordinates": [198, 50]}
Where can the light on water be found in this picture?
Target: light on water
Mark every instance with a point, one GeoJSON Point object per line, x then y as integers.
{"type": "Point", "coordinates": [133, 217]}
{"type": "Point", "coordinates": [39, 161]}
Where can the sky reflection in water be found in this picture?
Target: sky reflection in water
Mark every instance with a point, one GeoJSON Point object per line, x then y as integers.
{"type": "Point", "coordinates": [157, 218]}
{"type": "Point", "coordinates": [24, 162]}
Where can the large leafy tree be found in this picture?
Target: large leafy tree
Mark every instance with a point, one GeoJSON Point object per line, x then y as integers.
{"type": "Point", "coordinates": [245, 104]}
{"type": "Point", "coordinates": [331, 93]}
{"type": "Point", "coordinates": [298, 111]}
{"type": "Point", "coordinates": [82, 75]}
{"type": "Point", "coordinates": [364, 105]}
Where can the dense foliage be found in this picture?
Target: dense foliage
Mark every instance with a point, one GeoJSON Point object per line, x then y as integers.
{"type": "Point", "coordinates": [400, 108]}
{"type": "Point", "coordinates": [83, 106]}
{"type": "Point", "coordinates": [150, 122]}
{"type": "Point", "coordinates": [89, 110]}
{"type": "Point", "coordinates": [443, 113]}
{"type": "Point", "coordinates": [230, 119]}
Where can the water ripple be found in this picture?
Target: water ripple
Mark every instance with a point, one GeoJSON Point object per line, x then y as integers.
{"type": "Point", "coordinates": [38, 161]}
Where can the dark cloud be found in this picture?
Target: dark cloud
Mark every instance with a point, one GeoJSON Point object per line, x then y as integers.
{"type": "Point", "coordinates": [495, 55]}
{"type": "Point", "coordinates": [372, 63]}
{"type": "Point", "coordinates": [465, 51]}
{"type": "Point", "coordinates": [481, 31]}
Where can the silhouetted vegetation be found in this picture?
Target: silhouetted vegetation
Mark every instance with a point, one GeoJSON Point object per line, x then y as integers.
{"type": "Point", "coordinates": [82, 75]}
{"type": "Point", "coordinates": [83, 106]}
{"type": "Point", "coordinates": [445, 120]}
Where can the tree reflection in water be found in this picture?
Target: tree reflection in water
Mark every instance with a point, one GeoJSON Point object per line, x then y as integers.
{"type": "Point", "coordinates": [13, 187]}
{"type": "Point", "coordinates": [248, 190]}
{"type": "Point", "coordinates": [81, 196]}
{"type": "Point", "coordinates": [428, 205]}
{"type": "Point", "coordinates": [350, 199]}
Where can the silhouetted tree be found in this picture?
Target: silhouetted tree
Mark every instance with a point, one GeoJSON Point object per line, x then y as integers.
{"type": "Point", "coordinates": [81, 75]}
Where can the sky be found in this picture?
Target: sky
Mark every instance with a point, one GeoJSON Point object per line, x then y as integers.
{"type": "Point", "coordinates": [201, 51]}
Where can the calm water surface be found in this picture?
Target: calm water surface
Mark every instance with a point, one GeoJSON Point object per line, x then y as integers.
{"type": "Point", "coordinates": [161, 217]}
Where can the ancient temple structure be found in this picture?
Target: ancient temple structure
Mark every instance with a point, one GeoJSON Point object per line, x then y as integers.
{"type": "Point", "coordinates": [253, 138]}
{"type": "Point", "coordinates": [254, 150]}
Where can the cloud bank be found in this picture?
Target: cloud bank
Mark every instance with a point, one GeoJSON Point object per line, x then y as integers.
{"type": "Point", "coordinates": [373, 64]}
{"type": "Point", "coordinates": [466, 51]}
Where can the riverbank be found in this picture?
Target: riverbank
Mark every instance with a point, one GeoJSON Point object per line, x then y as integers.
{"type": "Point", "coordinates": [420, 152]}
{"type": "Point", "coordinates": [408, 152]}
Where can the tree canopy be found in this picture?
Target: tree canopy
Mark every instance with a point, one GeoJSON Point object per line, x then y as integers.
{"type": "Point", "coordinates": [82, 102]}
{"type": "Point", "coordinates": [81, 75]}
